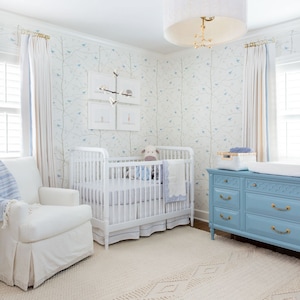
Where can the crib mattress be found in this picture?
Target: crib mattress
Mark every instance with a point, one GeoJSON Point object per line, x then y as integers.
{"type": "Point", "coordinates": [121, 184]}
{"type": "Point", "coordinates": [121, 192]}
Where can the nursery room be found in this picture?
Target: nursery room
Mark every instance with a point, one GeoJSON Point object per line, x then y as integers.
{"type": "Point", "coordinates": [149, 149]}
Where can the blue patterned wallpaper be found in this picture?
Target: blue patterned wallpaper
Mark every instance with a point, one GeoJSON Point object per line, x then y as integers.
{"type": "Point", "coordinates": [191, 98]}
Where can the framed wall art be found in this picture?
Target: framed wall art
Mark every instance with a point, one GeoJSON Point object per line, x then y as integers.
{"type": "Point", "coordinates": [101, 116]}
{"type": "Point", "coordinates": [131, 87]}
{"type": "Point", "coordinates": [128, 117]}
{"type": "Point", "coordinates": [98, 80]}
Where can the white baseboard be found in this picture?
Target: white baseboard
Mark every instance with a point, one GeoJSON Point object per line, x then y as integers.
{"type": "Point", "coordinates": [201, 215]}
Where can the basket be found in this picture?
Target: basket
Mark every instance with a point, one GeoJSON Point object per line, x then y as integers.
{"type": "Point", "coordinates": [235, 161]}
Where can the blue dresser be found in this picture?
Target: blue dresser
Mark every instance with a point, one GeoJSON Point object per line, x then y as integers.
{"type": "Point", "coordinates": [257, 206]}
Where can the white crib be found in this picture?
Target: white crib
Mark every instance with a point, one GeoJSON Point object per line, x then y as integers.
{"type": "Point", "coordinates": [128, 195]}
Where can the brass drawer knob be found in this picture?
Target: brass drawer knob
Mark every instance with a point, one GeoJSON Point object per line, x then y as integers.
{"type": "Point", "coordinates": [287, 231]}
{"type": "Point", "coordinates": [226, 219]}
{"type": "Point", "coordinates": [254, 185]}
{"type": "Point", "coordinates": [225, 198]}
{"type": "Point", "coordinates": [281, 209]}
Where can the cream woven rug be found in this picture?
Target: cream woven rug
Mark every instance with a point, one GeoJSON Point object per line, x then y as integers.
{"type": "Point", "coordinates": [182, 263]}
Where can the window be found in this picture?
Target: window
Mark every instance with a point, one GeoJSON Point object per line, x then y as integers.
{"type": "Point", "coordinates": [288, 110]}
{"type": "Point", "coordinates": [10, 110]}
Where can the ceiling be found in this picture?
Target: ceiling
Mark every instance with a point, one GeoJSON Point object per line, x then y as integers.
{"type": "Point", "coordinates": [137, 23]}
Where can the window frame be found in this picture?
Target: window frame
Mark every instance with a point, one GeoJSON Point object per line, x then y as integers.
{"type": "Point", "coordinates": [12, 135]}
{"type": "Point", "coordinates": [290, 64]}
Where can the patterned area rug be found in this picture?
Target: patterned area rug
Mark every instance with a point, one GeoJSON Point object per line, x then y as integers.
{"type": "Point", "coordinates": [182, 263]}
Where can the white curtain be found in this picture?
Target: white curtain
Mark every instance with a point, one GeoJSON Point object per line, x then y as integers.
{"type": "Point", "coordinates": [36, 97]}
{"type": "Point", "coordinates": [259, 112]}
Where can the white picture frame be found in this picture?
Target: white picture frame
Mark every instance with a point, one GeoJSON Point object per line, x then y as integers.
{"type": "Point", "coordinates": [133, 85]}
{"type": "Point", "coordinates": [128, 117]}
{"type": "Point", "coordinates": [97, 80]}
{"type": "Point", "coordinates": [101, 116]}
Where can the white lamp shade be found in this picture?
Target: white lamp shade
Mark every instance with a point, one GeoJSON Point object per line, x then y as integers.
{"type": "Point", "coordinates": [182, 20]}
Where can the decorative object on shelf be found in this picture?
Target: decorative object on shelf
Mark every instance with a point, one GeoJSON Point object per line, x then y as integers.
{"type": "Point", "coordinates": [204, 23]}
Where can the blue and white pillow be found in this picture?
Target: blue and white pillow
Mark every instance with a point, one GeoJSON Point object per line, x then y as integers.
{"type": "Point", "coordinates": [8, 188]}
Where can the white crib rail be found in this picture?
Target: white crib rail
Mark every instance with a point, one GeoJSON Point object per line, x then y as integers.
{"type": "Point", "coordinates": [88, 169]}
{"type": "Point", "coordinates": [169, 152]}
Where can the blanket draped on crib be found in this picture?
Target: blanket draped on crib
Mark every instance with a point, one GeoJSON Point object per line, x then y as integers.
{"type": "Point", "coordinates": [174, 180]}
{"type": "Point", "coordinates": [8, 189]}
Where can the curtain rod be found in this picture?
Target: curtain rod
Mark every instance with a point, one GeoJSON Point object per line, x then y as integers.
{"type": "Point", "coordinates": [258, 43]}
{"type": "Point", "coordinates": [34, 33]}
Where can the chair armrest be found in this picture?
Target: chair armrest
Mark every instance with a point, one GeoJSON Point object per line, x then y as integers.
{"type": "Point", "coordinates": [58, 196]}
{"type": "Point", "coordinates": [17, 215]}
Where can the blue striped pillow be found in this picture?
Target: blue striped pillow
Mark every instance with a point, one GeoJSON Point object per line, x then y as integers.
{"type": "Point", "coordinates": [8, 188]}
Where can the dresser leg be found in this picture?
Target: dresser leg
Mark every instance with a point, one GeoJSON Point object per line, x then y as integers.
{"type": "Point", "coordinates": [212, 233]}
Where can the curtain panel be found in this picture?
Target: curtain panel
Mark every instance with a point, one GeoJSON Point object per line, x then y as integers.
{"type": "Point", "coordinates": [36, 99]}
{"type": "Point", "coordinates": [259, 110]}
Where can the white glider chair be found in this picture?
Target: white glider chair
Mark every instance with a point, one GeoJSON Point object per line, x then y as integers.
{"type": "Point", "coordinates": [46, 232]}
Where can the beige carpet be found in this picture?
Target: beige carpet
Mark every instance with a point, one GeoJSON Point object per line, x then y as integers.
{"type": "Point", "coordinates": [182, 263]}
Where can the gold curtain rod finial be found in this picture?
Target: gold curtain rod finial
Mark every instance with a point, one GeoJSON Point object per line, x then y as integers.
{"type": "Point", "coordinates": [259, 43]}
{"type": "Point", "coordinates": [34, 33]}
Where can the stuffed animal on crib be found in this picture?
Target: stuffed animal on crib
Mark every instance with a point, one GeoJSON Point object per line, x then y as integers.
{"type": "Point", "coordinates": [150, 153]}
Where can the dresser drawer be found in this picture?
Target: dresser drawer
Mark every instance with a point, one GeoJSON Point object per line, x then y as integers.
{"type": "Point", "coordinates": [286, 232]}
{"type": "Point", "coordinates": [282, 208]}
{"type": "Point", "coordinates": [227, 181]}
{"type": "Point", "coordinates": [226, 198]}
{"type": "Point", "coordinates": [227, 218]}
{"type": "Point", "coordinates": [276, 188]}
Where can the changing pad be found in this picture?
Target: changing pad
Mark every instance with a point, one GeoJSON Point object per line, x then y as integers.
{"type": "Point", "coordinates": [275, 168]}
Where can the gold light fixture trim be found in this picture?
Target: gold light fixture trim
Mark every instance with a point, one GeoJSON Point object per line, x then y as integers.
{"type": "Point", "coordinates": [203, 41]}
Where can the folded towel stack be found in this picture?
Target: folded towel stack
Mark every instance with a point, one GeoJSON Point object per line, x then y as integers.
{"type": "Point", "coordinates": [241, 150]}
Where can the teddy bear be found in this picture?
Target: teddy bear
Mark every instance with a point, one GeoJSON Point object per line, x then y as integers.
{"type": "Point", "coordinates": [150, 153]}
{"type": "Point", "coordinates": [149, 172]}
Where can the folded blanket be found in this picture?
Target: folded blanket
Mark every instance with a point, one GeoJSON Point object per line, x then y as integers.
{"type": "Point", "coordinates": [241, 150]}
{"type": "Point", "coordinates": [174, 180]}
{"type": "Point", "coordinates": [8, 189]}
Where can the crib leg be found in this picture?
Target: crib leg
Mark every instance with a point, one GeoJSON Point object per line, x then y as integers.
{"type": "Point", "coordinates": [192, 222]}
{"type": "Point", "coordinates": [106, 240]}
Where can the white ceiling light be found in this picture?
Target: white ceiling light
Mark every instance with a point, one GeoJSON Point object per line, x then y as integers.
{"type": "Point", "coordinates": [204, 23]}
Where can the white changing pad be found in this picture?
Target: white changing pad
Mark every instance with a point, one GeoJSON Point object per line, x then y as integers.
{"type": "Point", "coordinates": [275, 168]}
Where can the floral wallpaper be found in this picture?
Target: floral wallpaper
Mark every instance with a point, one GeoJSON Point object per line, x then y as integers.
{"type": "Point", "coordinates": [190, 98]}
